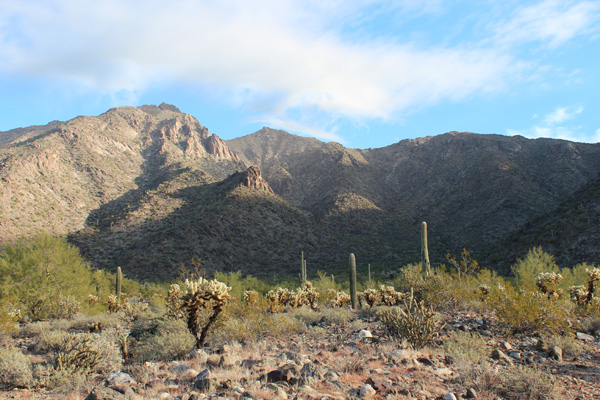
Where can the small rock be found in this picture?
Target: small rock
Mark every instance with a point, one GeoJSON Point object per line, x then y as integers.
{"type": "Point", "coordinates": [507, 346]}
{"type": "Point", "coordinates": [449, 396]}
{"type": "Point", "coordinates": [120, 378]}
{"type": "Point", "coordinates": [585, 337]}
{"type": "Point", "coordinates": [499, 355]}
{"type": "Point", "coordinates": [556, 353]}
{"type": "Point", "coordinates": [205, 374]}
{"type": "Point", "coordinates": [105, 393]}
{"type": "Point", "coordinates": [364, 334]}
{"type": "Point", "coordinates": [367, 391]}
{"type": "Point", "coordinates": [425, 361]}
{"type": "Point", "coordinates": [471, 394]}
{"type": "Point", "coordinates": [515, 354]}
{"type": "Point", "coordinates": [397, 356]}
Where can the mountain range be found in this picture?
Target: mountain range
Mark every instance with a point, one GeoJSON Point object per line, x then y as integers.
{"type": "Point", "coordinates": [152, 190]}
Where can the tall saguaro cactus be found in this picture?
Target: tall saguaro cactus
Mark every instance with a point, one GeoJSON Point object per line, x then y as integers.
{"type": "Point", "coordinates": [303, 268]}
{"type": "Point", "coordinates": [352, 271]}
{"type": "Point", "coordinates": [425, 250]}
{"type": "Point", "coordinates": [118, 284]}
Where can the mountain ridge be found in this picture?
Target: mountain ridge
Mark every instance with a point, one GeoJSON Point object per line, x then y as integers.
{"type": "Point", "coordinates": [149, 188]}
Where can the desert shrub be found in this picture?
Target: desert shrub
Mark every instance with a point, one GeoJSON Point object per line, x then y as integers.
{"type": "Point", "coordinates": [63, 307]}
{"type": "Point", "coordinates": [15, 368]}
{"type": "Point", "coordinates": [84, 353]}
{"type": "Point", "coordinates": [466, 347]}
{"type": "Point", "coordinates": [414, 321]}
{"type": "Point", "coordinates": [532, 265]}
{"type": "Point", "coordinates": [256, 324]}
{"type": "Point", "coordinates": [160, 340]}
{"type": "Point", "coordinates": [9, 316]}
{"type": "Point", "coordinates": [45, 375]}
{"type": "Point", "coordinates": [34, 272]}
{"type": "Point", "coordinates": [526, 383]}
{"type": "Point", "coordinates": [575, 276]}
{"type": "Point", "coordinates": [323, 284]}
{"type": "Point", "coordinates": [528, 311]}
{"type": "Point", "coordinates": [464, 266]}
{"type": "Point", "coordinates": [338, 316]}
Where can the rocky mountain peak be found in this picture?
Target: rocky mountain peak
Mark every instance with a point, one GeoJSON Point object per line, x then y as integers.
{"type": "Point", "coordinates": [216, 146]}
{"type": "Point", "coordinates": [253, 179]}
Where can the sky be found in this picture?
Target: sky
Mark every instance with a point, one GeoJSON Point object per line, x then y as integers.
{"type": "Point", "coordinates": [364, 73]}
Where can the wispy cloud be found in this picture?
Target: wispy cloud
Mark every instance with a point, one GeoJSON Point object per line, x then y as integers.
{"type": "Point", "coordinates": [553, 127]}
{"type": "Point", "coordinates": [552, 21]}
{"type": "Point", "coordinates": [562, 114]}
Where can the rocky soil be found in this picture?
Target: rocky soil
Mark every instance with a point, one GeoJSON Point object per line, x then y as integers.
{"type": "Point", "coordinates": [357, 359]}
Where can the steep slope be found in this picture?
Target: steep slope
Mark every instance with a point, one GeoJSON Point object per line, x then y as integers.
{"type": "Point", "coordinates": [230, 225]}
{"type": "Point", "coordinates": [569, 232]}
{"type": "Point", "coordinates": [472, 189]}
{"type": "Point", "coordinates": [54, 180]}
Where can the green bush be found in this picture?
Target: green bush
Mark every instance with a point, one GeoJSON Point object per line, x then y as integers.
{"type": "Point", "coordinates": [535, 262]}
{"type": "Point", "coordinates": [529, 311]}
{"type": "Point", "coordinates": [33, 274]}
{"type": "Point", "coordinates": [160, 340]}
{"type": "Point", "coordinates": [15, 368]}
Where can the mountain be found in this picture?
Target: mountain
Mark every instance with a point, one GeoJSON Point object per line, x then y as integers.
{"type": "Point", "coordinates": [151, 190]}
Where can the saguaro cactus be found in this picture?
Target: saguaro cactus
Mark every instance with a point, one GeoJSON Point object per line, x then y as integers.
{"type": "Point", "coordinates": [424, 250]}
{"type": "Point", "coordinates": [303, 268]}
{"type": "Point", "coordinates": [370, 284]}
{"type": "Point", "coordinates": [118, 284]}
{"type": "Point", "coordinates": [353, 292]}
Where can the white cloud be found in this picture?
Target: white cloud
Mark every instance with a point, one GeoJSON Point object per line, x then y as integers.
{"type": "Point", "coordinates": [552, 21]}
{"type": "Point", "coordinates": [276, 56]}
{"type": "Point", "coordinates": [561, 115]}
{"type": "Point", "coordinates": [553, 127]}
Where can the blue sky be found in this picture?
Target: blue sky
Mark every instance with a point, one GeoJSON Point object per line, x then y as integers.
{"type": "Point", "coordinates": [363, 73]}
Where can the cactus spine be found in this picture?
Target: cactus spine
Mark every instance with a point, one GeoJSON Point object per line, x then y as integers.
{"type": "Point", "coordinates": [424, 250]}
{"type": "Point", "coordinates": [118, 284]}
{"type": "Point", "coordinates": [352, 271]}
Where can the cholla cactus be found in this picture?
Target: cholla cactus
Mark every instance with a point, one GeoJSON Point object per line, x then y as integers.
{"type": "Point", "coordinates": [308, 295]}
{"type": "Point", "coordinates": [341, 299]}
{"type": "Point", "coordinates": [413, 321]}
{"type": "Point", "coordinates": [593, 273]}
{"type": "Point", "coordinates": [370, 297]}
{"type": "Point", "coordinates": [113, 305]}
{"type": "Point", "coordinates": [389, 296]}
{"type": "Point", "coordinates": [173, 301]}
{"type": "Point", "coordinates": [547, 282]}
{"type": "Point", "coordinates": [202, 294]}
{"type": "Point", "coordinates": [578, 294]}
{"type": "Point", "coordinates": [92, 299]}
{"type": "Point", "coordinates": [251, 297]}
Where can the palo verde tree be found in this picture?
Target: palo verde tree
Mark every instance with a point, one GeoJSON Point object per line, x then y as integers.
{"type": "Point", "coordinates": [34, 272]}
